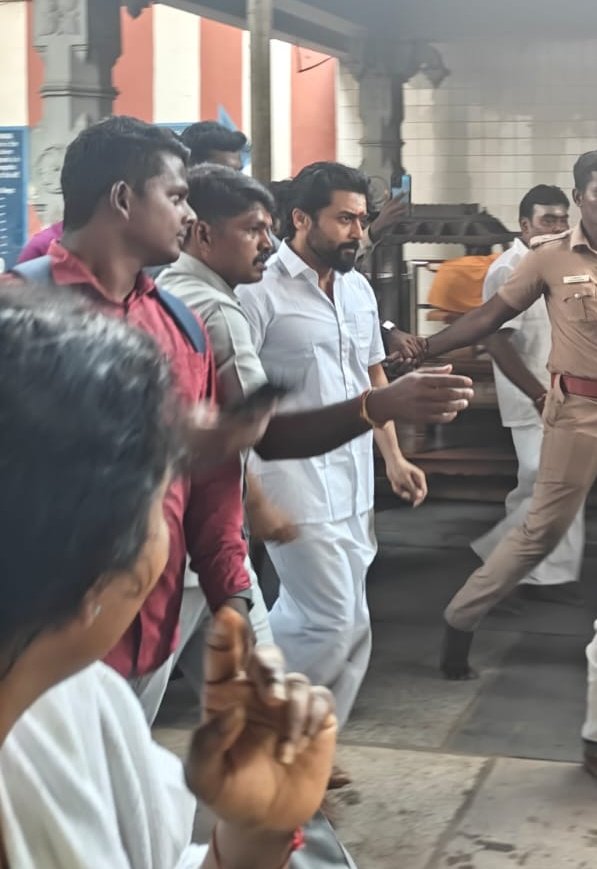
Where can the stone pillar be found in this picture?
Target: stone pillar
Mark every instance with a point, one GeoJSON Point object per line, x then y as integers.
{"type": "Point", "coordinates": [260, 17]}
{"type": "Point", "coordinates": [382, 66]}
{"type": "Point", "coordinates": [79, 41]}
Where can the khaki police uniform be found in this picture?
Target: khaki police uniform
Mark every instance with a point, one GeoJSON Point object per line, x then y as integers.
{"type": "Point", "coordinates": [563, 269]}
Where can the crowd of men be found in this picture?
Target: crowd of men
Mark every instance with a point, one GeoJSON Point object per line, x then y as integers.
{"type": "Point", "coordinates": [274, 343]}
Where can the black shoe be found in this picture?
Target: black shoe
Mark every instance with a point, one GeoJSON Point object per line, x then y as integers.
{"type": "Point", "coordinates": [454, 656]}
{"type": "Point", "coordinates": [563, 593]}
{"type": "Point", "coordinates": [590, 757]}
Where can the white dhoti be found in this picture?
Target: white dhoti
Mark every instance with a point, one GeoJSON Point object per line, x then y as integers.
{"type": "Point", "coordinates": [589, 730]}
{"type": "Point", "coordinates": [321, 619]}
{"type": "Point", "coordinates": [564, 563]}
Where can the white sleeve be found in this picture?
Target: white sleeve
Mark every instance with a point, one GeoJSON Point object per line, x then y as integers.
{"type": "Point", "coordinates": [253, 301]}
{"type": "Point", "coordinates": [494, 280]}
{"type": "Point", "coordinates": [378, 353]}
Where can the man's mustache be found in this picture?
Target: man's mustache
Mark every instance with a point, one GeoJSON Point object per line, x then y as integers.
{"type": "Point", "coordinates": [262, 257]}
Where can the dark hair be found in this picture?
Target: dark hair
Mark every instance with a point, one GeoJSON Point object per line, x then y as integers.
{"type": "Point", "coordinates": [218, 192]}
{"type": "Point", "coordinates": [117, 149]}
{"type": "Point", "coordinates": [542, 194]}
{"type": "Point", "coordinates": [583, 169]}
{"type": "Point", "coordinates": [282, 191]}
{"type": "Point", "coordinates": [206, 136]}
{"type": "Point", "coordinates": [313, 187]}
{"type": "Point", "coordinates": [87, 432]}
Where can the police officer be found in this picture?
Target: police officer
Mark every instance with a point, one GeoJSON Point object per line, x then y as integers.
{"type": "Point", "coordinates": [563, 269]}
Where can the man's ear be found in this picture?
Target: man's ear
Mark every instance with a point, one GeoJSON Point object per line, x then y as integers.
{"type": "Point", "coordinates": [120, 198]}
{"type": "Point", "coordinates": [300, 219]}
{"type": "Point", "coordinates": [577, 197]}
{"type": "Point", "coordinates": [91, 606]}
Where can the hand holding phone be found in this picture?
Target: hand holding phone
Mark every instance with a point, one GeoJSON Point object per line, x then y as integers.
{"type": "Point", "coordinates": [259, 400]}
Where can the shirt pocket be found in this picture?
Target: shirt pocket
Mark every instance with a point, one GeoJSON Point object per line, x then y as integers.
{"type": "Point", "coordinates": [361, 325]}
{"type": "Point", "coordinates": [580, 302]}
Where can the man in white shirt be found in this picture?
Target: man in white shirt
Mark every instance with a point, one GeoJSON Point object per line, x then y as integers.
{"type": "Point", "coordinates": [314, 322]}
{"type": "Point", "coordinates": [520, 351]}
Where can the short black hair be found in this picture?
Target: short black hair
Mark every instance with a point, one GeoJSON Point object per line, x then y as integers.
{"type": "Point", "coordinates": [119, 148]}
{"type": "Point", "coordinates": [87, 432]}
{"type": "Point", "coordinates": [542, 194]}
{"type": "Point", "coordinates": [584, 168]}
{"type": "Point", "coordinates": [282, 192]}
{"type": "Point", "coordinates": [313, 187]}
{"type": "Point", "coordinates": [206, 136]}
{"type": "Point", "coordinates": [219, 192]}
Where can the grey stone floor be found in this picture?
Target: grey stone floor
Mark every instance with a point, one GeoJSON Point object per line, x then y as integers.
{"type": "Point", "coordinates": [475, 775]}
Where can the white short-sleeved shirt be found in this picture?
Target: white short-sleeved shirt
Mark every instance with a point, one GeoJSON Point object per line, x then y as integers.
{"type": "Point", "coordinates": [325, 349]}
{"type": "Point", "coordinates": [82, 784]}
{"type": "Point", "coordinates": [531, 336]}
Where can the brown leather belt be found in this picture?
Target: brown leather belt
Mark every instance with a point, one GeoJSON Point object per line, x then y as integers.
{"type": "Point", "coordinates": [582, 386]}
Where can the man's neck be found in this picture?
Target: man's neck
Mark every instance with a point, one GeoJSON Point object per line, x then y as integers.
{"type": "Point", "coordinates": [212, 268]}
{"type": "Point", "coordinates": [590, 233]}
{"type": "Point", "coordinates": [325, 274]}
{"type": "Point", "coordinates": [115, 270]}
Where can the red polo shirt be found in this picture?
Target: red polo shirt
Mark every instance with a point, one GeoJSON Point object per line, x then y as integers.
{"type": "Point", "coordinates": [204, 518]}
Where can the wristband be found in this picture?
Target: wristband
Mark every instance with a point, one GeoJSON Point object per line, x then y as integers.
{"type": "Point", "coordinates": [298, 842]}
{"type": "Point", "coordinates": [363, 411]}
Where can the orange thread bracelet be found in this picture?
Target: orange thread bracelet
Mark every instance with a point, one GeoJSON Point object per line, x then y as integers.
{"type": "Point", "coordinates": [363, 413]}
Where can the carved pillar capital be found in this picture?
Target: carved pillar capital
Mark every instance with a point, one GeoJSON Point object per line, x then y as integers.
{"type": "Point", "coordinates": [382, 66]}
{"type": "Point", "coordinates": [80, 42]}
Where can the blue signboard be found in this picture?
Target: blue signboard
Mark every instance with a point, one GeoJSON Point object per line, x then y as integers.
{"type": "Point", "coordinates": [13, 194]}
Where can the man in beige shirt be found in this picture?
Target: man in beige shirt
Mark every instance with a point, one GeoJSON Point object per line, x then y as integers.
{"type": "Point", "coordinates": [563, 269]}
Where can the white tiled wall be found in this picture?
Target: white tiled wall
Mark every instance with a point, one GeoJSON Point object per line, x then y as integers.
{"type": "Point", "coordinates": [510, 115]}
{"type": "Point", "coordinates": [349, 127]}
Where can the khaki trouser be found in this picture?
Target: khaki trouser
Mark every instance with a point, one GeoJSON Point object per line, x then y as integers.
{"type": "Point", "coordinates": [567, 470]}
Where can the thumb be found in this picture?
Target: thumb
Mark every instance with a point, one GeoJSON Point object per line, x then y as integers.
{"type": "Point", "coordinates": [204, 767]}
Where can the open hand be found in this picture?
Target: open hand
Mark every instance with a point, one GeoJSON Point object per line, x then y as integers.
{"type": "Point", "coordinates": [263, 755]}
{"type": "Point", "coordinates": [431, 395]}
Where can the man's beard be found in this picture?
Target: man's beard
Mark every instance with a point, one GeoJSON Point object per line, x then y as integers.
{"type": "Point", "coordinates": [341, 258]}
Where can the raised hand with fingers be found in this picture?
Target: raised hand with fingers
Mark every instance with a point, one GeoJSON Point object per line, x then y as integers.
{"type": "Point", "coordinates": [262, 757]}
{"type": "Point", "coordinates": [431, 395]}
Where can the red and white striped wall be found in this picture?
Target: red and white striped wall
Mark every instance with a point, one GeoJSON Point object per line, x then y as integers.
{"type": "Point", "coordinates": [176, 67]}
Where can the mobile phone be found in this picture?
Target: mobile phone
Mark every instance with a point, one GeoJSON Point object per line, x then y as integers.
{"type": "Point", "coordinates": [262, 398]}
{"type": "Point", "coordinates": [404, 190]}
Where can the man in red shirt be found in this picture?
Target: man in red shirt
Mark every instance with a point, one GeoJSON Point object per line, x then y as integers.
{"type": "Point", "coordinates": [125, 197]}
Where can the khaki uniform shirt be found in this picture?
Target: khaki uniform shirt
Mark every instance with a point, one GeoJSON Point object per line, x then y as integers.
{"type": "Point", "coordinates": [563, 269]}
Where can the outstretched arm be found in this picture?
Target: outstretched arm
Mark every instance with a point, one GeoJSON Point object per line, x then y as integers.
{"type": "Point", "coordinates": [472, 327]}
{"type": "Point", "coordinates": [430, 396]}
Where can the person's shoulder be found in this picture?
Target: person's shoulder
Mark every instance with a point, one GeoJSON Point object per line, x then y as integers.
{"type": "Point", "coordinates": [551, 242]}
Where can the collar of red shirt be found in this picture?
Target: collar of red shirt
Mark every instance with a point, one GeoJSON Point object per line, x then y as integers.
{"type": "Point", "coordinates": [69, 269]}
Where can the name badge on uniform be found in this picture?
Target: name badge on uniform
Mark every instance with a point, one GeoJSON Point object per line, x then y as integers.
{"type": "Point", "coordinates": [577, 279]}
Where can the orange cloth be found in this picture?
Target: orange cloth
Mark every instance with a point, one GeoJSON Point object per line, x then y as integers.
{"type": "Point", "coordinates": [458, 283]}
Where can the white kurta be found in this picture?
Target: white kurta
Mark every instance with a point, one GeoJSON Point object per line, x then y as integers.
{"type": "Point", "coordinates": [324, 349]}
{"type": "Point", "coordinates": [531, 337]}
{"type": "Point", "coordinates": [82, 784]}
